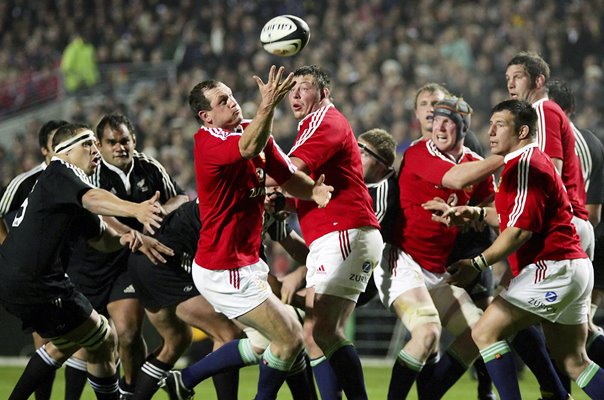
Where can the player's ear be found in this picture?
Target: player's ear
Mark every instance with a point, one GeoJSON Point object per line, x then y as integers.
{"type": "Point", "coordinates": [205, 117]}
{"type": "Point", "coordinates": [324, 93]}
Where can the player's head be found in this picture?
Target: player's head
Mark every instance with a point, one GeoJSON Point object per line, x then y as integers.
{"type": "Point", "coordinates": [378, 150]}
{"type": "Point", "coordinates": [452, 117]}
{"type": "Point", "coordinates": [526, 75]}
{"type": "Point", "coordinates": [45, 135]}
{"type": "Point", "coordinates": [310, 92]}
{"type": "Point", "coordinates": [214, 106]}
{"type": "Point", "coordinates": [559, 92]}
{"type": "Point", "coordinates": [76, 144]}
{"type": "Point", "coordinates": [117, 140]}
{"type": "Point", "coordinates": [425, 99]}
{"type": "Point", "coordinates": [513, 125]}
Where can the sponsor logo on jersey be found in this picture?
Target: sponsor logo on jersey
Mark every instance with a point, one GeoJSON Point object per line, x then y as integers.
{"type": "Point", "coordinates": [257, 191]}
{"type": "Point", "coordinates": [187, 288]}
{"type": "Point", "coordinates": [141, 185]}
{"type": "Point", "coordinates": [358, 278]}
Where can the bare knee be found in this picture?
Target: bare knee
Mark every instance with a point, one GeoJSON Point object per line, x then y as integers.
{"type": "Point", "coordinates": [482, 336]}
{"type": "Point", "coordinates": [425, 338]}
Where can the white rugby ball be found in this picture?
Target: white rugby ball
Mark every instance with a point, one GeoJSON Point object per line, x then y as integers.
{"type": "Point", "coordinates": [285, 35]}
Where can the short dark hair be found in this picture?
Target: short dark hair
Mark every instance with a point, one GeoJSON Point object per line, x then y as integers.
{"type": "Point", "coordinates": [321, 77]}
{"type": "Point", "coordinates": [47, 129]}
{"type": "Point", "coordinates": [197, 98]}
{"type": "Point", "coordinates": [559, 92]}
{"type": "Point", "coordinates": [67, 131]}
{"type": "Point", "coordinates": [523, 112]}
{"type": "Point", "coordinates": [431, 87]}
{"type": "Point", "coordinates": [113, 121]}
{"type": "Point", "coordinates": [533, 64]}
{"type": "Point", "coordinates": [382, 142]}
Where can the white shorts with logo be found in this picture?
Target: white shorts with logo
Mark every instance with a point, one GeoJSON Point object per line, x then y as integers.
{"type": "Point", "coordinates": [233, 292]}
{"type": "Point", "coordinates": [585, 230]}
{"type": "Point", "coordinates": [340, 263]}
{"type": "Point", "coordinates": [558, 291]}
{"type": "Point", "coordinates": [397, 273]}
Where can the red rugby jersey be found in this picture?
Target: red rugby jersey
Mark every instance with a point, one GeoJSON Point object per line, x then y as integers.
{"type": "Point", "coordinates": [231, 193]}
{"type": "Point", "coordinates": [328, 146]}
{"type": "Point", "coordinates": [555, 137]}
{"type": "Point", "coordinates": [531, 196]}
{"type": "Point", "coordinates": [420, 180]}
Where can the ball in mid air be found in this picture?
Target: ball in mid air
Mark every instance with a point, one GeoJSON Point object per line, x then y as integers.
{"type": "Point", "coordinates": [285, 35]}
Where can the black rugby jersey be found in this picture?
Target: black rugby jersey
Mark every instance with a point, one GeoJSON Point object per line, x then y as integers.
{"type": "Point", "coordinates": [18, 189]}
{"type": "Point", "coordinates": [32, 272]}
{"type": "Point", "coordinates": [385, 198]}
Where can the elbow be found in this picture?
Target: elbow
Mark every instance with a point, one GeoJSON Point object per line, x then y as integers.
{"type": "Point", "coordinates": [250, 152]}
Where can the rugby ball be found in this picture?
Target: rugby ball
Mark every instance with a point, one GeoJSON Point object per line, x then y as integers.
{"type": "Point", "coordinates": [285, 35]}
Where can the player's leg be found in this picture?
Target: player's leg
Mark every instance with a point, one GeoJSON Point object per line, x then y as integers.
{"type": "Point", "coordinates": [401, 287]}
{"type": "Point", "coordinates": [458, 315]}
{"type": "Point", "coordinates": [176, 338]}
{"type": "Point", "coordinates": [500, 320]}
{"type": "Point", "coordinates": [199, 313]}
{"type": "Point", "coordinates": [76, 375]}
{"type": "Point", "coordinates": [44, 391]}
{"type": "Point", "coordinates": [127, 316]}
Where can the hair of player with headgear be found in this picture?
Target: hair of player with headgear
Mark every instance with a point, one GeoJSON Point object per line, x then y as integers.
{"type": "Point", "coordinates": [114, 121]}
{"type": "Point", "coordinates": [559, 92]}
{"type": "Point", "coordinates": [67, 131]}
{"type": "Point", "coordinates": [321, 77]}
{"type": "Point", "coordinates": [197, 97]}
{"type": "Point", "coordinates": [458, 110]}
{"type": "Point", "coordinates": [523, 113]}
{"type": "Point", "coordinates": [533, 64]}
{"type": "Point", "coordinates": [431, 87]}
{"type": "Point", "coordinates": [382, 142]}
{"type": "Point", "coordinates": [47, 129]}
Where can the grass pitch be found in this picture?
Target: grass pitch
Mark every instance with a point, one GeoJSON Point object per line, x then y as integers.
{"type": "Point", "coordinates": [376, 378]}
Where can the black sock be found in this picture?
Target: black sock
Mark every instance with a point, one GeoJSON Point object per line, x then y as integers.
{"type": "Point", "coordinates": [151, 373]}
{"type": "Point", "coordinates": [126, 389]}
{"type": "Point", "coordinates": [40, 366]}
{"type": "Point", "coordinates": [485, 384]}
{"type": "Point", "coordinates": [347, 367]}
{"type": "Point", "coordinates": [75, 378]}
{"type": "Point", "coordinates": [226, 384]}
{"type": "Point", "coordinates": [297, 379]}
{"type": "Point", "coordinates": [446, 372]}
{"type": "Point", "coordinates": [105, 388]}
{"type": "Point", "coordinates": [44, 391]}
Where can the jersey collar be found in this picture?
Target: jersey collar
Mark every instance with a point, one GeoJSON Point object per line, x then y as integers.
{"type": "Point", "coordinates": [516, 153]}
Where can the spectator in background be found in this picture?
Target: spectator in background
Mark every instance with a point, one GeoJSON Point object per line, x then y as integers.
{"type": "Point", "coordinates": [79, 65]}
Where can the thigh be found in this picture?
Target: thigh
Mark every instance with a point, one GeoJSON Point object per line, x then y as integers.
{"type": "Point", "coordinates": [126, 314]}
{"type": "Point", "coordinates": [565, 340]}
{"type": "Point", "coordinates": [199, 313]}
{"type": "Point", "coordinates": [415, 307]}
{"type": "Point", "coordinates": [455, 307]}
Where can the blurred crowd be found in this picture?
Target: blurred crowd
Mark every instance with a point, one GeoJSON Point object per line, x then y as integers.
{"type": "Point", "coordinates": [377, 51]}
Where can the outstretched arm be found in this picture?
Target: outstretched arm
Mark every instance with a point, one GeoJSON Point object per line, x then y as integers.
{"type": "Point", "coordinates": [256, 135]}
{"type": "Point", "coordinates": [469, 173]}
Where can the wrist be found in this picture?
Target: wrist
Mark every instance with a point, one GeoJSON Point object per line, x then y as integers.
{"type": "Point", "coordinates": [479, 263]}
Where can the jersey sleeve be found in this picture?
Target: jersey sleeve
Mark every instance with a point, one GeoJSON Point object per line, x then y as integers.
{"type": "Point", "coordinates": [595, 192]}
{"type": "Point", "coordinates": [278, 165]}
{"type": "Point", "coordinates": [528, 189]}
{"type": "Point", "coordinates": [419, 157]}
{"type": "Point", "coordinates": [67, 186]}
{"type": "Point", "coordinates": [13, 195]}
{"type": "Point", "coordinates": [166, 184]}
{"type": "Point", "coordinates": [317, 143]}
{"type": "Point", "coordinates": [553, 135]}
{"type": "Point", "coordinates": [91, 225]}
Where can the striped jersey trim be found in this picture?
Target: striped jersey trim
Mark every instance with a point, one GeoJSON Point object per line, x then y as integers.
{"type": "Point", "coordinates": [381, 196]}
{"type": "Point", "coordinates": [541, 271]}
{"type": "Point", "coordinates": [541, 132]}
{"type": "Point", "coordinates": [13, 187]}
{"type": "Point", "coordinates": [167, 182]}
{"type": "Point", "coordinates": [316, 119]}
{"type": "Point", "coordinates": [522, 191]}
{"type": "Point", "coordinates": [76, 170]}
{"type": "Point", "coordinates": [582, 150]}
{"type": "Point", "coordinates": [345, 247]}
{"type": "Point", "coordinates": [433, 150]}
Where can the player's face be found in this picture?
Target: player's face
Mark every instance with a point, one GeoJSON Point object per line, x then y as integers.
{"type": "Point", "coordinates": [85, 156]}
{"type": "Point", "coordinates": [373, 169]}
{"type": "Point", "coordinates": [424, 111]}
{"type": "Point", "coordinates": [117, 147]}
{"type": "Point", "coordinates": [502, 136]}
{"type": "Point", "coordinates": [444, 134]}
{"type": "Point", "coordinates": [518, 82]}
{"type": "Point", "coordinates": [225, 112]}
{"type": "Point", "coordinates": [305, 97]}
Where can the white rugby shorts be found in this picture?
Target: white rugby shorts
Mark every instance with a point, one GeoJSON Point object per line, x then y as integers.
{"type": "Point", "coordinates": [558, 291]}
{"type": "Point", "coordinates": [233, 292]}
{"type": "Point", "coordinates": [397, 273]}
{"type": "Point", "coordinates": [340, 263]}
{"type": "Point", "coordinates": [585, 230]}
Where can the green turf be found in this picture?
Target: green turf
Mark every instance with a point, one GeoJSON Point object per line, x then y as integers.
{"type": "Point", "coordinates": [375, 377]}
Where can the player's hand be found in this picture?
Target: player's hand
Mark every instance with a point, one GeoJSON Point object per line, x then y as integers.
{"type": "Point", "coordinates": [149, 213]}
{"type": "Point", "coordinates": [462, 273]}
{"type": "Point", "coordinates": [131, 239]}
{"type": "Point", "coordinates": [440, 210]}
{"type": "Point", "coordinates": [155, 250]}
{"type": "Point", "coordinates": [321, 193]}
{"type": "Point", "coordinates": [291, 283]}
{"type": "Point", "coordinates": [276, 88]}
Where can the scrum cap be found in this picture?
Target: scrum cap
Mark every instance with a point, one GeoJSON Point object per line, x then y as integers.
{"type": "Point", "coordinates": [457, 110]}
